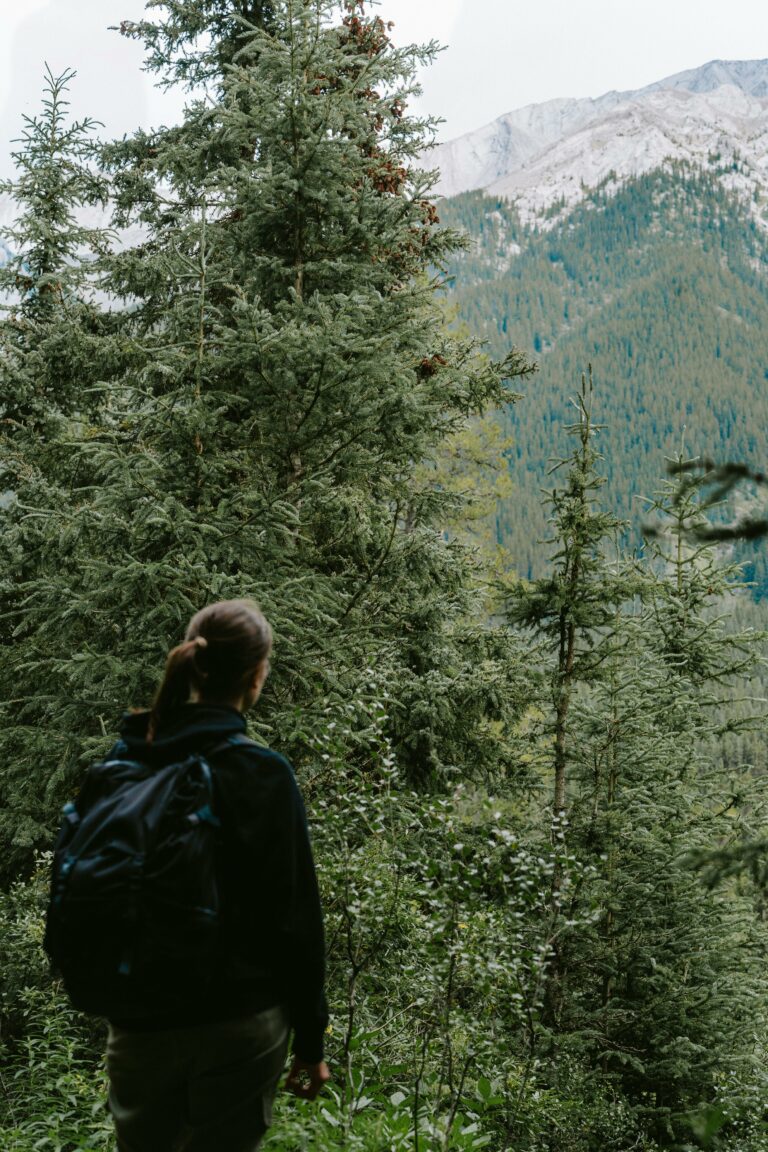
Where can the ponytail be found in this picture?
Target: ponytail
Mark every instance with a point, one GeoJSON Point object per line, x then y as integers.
{"type": "Point", "coordinates": [182, 673]}
{"type": "Point", "coordinates": [224, 645]}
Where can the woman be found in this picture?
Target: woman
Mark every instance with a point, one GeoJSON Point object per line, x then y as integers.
{"type": "Point", "coordinates": [203, 1080]}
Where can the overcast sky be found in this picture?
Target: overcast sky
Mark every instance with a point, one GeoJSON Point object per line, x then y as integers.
{"type": "Point", "coordinates": [500, 54]}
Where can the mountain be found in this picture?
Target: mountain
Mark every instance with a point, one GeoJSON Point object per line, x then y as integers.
{"type": "Point", "coordinates": [545, 154]}
{"type": "Point", "coordinates": [751, 76]}
{"type": "Point", "coordinates": [635, 242]}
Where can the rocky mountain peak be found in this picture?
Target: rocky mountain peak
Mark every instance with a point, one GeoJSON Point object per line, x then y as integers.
{"type": "Point", "coordinates": [548, 153]}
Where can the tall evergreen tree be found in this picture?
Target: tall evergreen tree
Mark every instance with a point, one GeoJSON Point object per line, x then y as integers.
{"type": "Point", "coordinates": [56, 342]}
{"type": "Point", "coordinates": [285, 370]}
{"type": "Point", "coordinates": [50, 315]}
{"type": "Point", "coordinates": [636, 663]}
{"type": "Point", "coordinates": [573, 611]}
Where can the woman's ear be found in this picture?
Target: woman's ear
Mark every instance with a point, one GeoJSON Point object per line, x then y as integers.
{"type": "Point", "coordinates": [260, 675]}
{"type": "Point", "coordinates": [254, 685]}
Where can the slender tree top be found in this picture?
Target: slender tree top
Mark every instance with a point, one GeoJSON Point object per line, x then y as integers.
{"type": "Point", "coordinates": [56, 179]}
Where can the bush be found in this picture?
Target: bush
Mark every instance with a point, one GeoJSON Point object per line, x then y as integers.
{"type": "Point", "coordinates": [53, 1091]}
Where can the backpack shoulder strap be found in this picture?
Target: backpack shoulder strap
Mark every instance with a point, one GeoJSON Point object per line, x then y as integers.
{"type": "Point", "coordinates": [236, 740]}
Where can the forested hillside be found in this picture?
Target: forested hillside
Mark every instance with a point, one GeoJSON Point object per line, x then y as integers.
{"type": "Point", "coordinates": [661, 284]}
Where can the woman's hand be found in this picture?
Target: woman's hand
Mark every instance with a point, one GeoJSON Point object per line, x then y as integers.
{"type": "Point", "coordinates": [306, 1080]}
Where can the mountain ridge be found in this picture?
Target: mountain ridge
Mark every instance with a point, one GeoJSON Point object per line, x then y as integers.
{"type": "Point", "coordinates": [543, 153]}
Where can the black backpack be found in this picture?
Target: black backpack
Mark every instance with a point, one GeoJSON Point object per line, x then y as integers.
{"type": "Point", "coordinates": [133, 918]}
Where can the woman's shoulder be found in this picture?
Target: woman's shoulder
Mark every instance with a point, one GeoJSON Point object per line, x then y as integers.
{"type": "Point", "coordinates": [256, 753]}
{"type": "Point", "coordinates": [250, 766]}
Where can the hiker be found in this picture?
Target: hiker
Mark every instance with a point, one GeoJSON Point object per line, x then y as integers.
{"type": "Point", "coordinates": [202, 1078]}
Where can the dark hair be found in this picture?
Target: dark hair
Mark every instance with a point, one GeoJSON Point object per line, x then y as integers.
{"type": "Point", "coordinates": [223, 645]}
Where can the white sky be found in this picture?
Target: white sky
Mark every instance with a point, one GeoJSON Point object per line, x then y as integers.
{"type": "Point", "coordinates": [501, 54]}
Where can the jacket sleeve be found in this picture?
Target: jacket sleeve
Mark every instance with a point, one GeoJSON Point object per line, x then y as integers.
{"type": "Point", "coordinates": [278, 893]}
{"type": "Point", "coordinates": [303, 943]}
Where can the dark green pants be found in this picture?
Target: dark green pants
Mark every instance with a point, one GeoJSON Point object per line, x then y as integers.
{"type": "Point", "coordinates": [204, 1089]}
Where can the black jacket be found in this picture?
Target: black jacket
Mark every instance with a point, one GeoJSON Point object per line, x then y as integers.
{"type": "Point", "coordinates": [273, 948]}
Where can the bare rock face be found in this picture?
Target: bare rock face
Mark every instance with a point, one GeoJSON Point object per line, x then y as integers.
{"type": "Point", "coordinates": [751, 76]}
{"type": "Point", "coordinates": [546, 155]}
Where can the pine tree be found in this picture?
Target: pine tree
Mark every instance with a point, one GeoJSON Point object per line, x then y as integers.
{"type": "Point", "coordinates": [701, 1005]}
{"type": "Point", "coordinates": [637, 665]}
{"type": "Point", "coordinates": [284, 371]}
{"type": "Point", "coordinates": [56, 341]}
{"type": "Point", "coordinates": [573, 612]}
{"type": "Point", "coordinates": [48, 281]}
{"type": "Point", "coordinates": [640, 1000]}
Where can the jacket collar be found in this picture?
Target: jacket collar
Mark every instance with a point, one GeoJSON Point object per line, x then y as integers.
{"type": "Point", "coordinates": [189, 728]}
